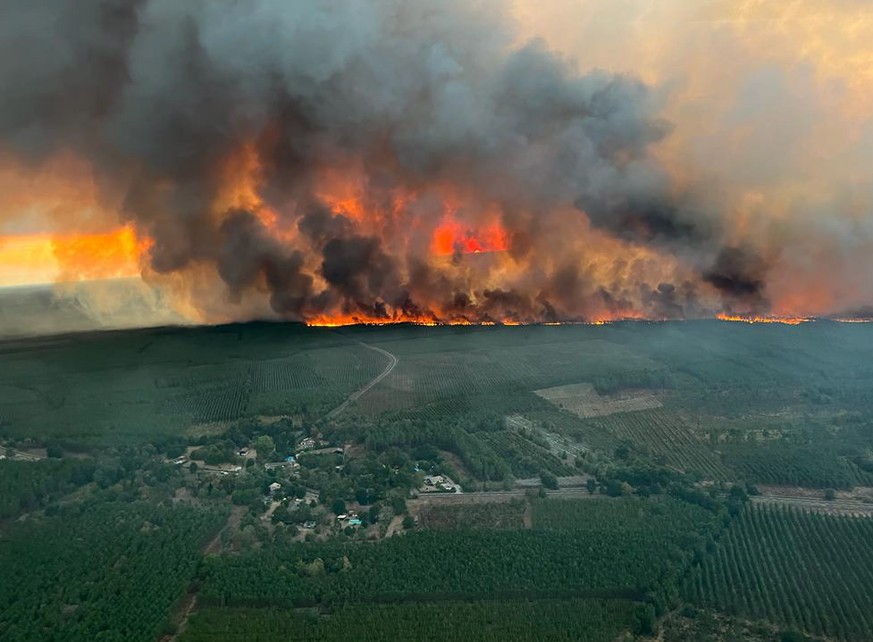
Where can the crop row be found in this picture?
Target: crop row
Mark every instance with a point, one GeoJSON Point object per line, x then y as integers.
{"type": "Point", "coordinates": [667, 437]}
{"type": "Point", "coordinates": [808, 571]}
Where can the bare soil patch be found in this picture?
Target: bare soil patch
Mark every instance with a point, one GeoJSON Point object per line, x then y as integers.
{"type": "Point", "coordinates": [584, 401]}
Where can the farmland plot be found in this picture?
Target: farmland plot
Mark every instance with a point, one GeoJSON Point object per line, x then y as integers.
{"type": "Point", "coordinates": [808, 571]}
{"type": "Point", "coordinates": [668, 437]}
{"type": "Point", "coordinates": [584, 401]}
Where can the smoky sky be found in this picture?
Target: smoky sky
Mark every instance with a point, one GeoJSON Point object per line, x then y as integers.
{"type": "Point", "coordinates": [420, 99]}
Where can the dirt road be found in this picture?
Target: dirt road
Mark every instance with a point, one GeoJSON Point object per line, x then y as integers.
{"type": "Point", "coordinates": [360, 392]}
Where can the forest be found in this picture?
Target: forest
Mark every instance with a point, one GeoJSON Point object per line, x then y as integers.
{"type": "Point", "coordinates": [228, 483]}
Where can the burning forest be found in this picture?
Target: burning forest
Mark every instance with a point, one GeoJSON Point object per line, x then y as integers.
{"type": "Point", "coordinates": [383, 161]}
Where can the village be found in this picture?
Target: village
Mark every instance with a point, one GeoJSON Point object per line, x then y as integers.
{"type": "Point", "coordinates": [319, 489]}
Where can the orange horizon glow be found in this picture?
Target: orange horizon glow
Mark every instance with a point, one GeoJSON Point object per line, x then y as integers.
{"type": "Point", "coordinates": [740, 318]}
{"type": "Point", "coordinates": [31, 259]}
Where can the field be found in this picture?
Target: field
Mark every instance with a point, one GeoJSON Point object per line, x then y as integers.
{"type": "Point", "coordinates": [600, 482]}
{"type": "Point", "coordinates": [584, 401]}
{"type": "Point", "coordinates": [811, 572]}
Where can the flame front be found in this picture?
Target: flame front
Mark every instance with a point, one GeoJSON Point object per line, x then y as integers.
{"type": "Point", "coordinates": [442, 164]}
{"type": "Point", "coordinates": [756, 318]}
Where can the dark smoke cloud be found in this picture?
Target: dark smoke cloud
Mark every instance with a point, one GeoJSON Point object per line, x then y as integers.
{"type": "Point", "coordinates": [158, 93]}
{"type": "Point", "coordinates": [739, 274]}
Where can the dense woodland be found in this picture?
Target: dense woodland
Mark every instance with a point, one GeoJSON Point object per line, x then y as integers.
{"type": "Point", "coordinates": [177, 463]}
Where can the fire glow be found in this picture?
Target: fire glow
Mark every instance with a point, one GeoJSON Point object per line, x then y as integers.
{"type": "Point", "coordinates": [738, 318]}
{"type": "Point", "coordinates": [441, 167]}
{"type": "Point", "coordinates": [452, 238]}
{"type": "Point", "coordinates": [33, 258]}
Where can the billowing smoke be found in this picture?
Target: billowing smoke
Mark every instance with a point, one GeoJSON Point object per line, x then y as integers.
{"type": "Point", "coordinates": [374, 160]}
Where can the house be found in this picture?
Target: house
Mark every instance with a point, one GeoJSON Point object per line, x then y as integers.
{"type": "Point", "coordinates": [274, 488]}
{"type": "Point", "coordinates": [433, 480]}
{"type": "Point", "coordinates": [243, 452]}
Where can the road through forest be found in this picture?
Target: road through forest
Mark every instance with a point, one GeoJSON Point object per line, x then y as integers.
{"type": "Point", "coordinates": [360, 392]}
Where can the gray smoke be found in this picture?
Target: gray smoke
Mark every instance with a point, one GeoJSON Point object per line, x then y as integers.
{"type": "Point", "coordinates": [406, 97]}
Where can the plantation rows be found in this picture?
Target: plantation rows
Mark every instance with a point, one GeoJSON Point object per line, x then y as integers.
{"type": "Point", "coordinates": [584, 432]}
{"type": "Point", "coordinates": [215, 404]}
{"type": "Point", "coordinates": [517, 402]}
{"type": "Point", "coordinates": [667, 437]}
{"type": "Point", "coordinates": [422, 380]}
{"type": "Point", "coordinates": [26, 485]}
{"type": "Point", "coordinates": [813, 467]}
{"type": "Point", "coordinates": [525, 458]}
{"type": "Point", "coordinates": [102, 572]}
{"type": "Point", "coordinates": [426, 378]}
{"type": "Point", "coordinates": [346, 368]}
{"type": "Point", "coordinates": [669, 519]}
{"type": "Point", "coordinates": [586, 560]}
{"type": "Point", "coordinates": [808, 571]}
{"type": "Point", "coordinates": [482, 621]}
{"type": "Point", "coordinates": [294, 373]}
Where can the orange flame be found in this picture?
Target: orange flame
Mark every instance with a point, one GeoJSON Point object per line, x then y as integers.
{"type": "Point", "coordinates": [450, 237]}
{"type": "Point", "coordinates": [35, 258]}
{"type": "Point", "coordinates": [763, 319]}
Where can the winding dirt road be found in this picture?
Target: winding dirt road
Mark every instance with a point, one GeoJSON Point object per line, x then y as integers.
{"type": "Point", "coordinates": [360, 392]}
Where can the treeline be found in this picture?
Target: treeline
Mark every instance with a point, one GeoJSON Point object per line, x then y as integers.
{"type": "Point", "coordinates": [31, 485]}
{"type": "Point", "coordinates": [593, 620]}
{"type": "Point", "coordinates": [99, 570]}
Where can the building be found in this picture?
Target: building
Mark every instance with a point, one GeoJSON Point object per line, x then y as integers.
{"type": "Point", "coordinates": [274, 488]}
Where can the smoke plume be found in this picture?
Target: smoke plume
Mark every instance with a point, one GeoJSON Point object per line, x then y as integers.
{"type": "Point", "coordinates": [388, 160]}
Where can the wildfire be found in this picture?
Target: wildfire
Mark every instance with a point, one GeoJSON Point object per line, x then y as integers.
{"type": "Point", "coordinates": [763, 319]}
{"type": "Point", "coordinates": [451, 237]}
{"type": "Point", "coordinates": [71, 257]}
{"type": "Point", "coordinates": [344, 320]}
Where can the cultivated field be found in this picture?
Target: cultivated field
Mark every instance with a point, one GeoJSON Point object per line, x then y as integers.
{"type": "Point", "coordinates": [583, 400]}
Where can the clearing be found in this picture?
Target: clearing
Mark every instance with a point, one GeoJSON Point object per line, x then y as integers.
{"type": "Point", "coordinates": [584, 401]}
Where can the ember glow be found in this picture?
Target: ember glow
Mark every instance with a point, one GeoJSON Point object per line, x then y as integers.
{"type": "Point", "coordinates": [763, 319]}
{"type": "Point", "coordinates": [445, 163]}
